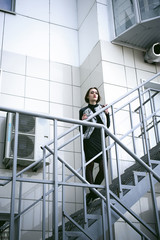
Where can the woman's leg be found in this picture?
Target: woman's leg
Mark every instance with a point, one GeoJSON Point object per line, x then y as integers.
{"type": "Point", "coordinates": [89, 172]}
{"type": "Point", "coordinates": [100, 175]}
{"type": "Point", "coordinates": [89, 178]}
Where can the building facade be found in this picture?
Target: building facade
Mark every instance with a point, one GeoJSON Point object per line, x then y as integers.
{"type": "Point", "coordinates": [51, 52]}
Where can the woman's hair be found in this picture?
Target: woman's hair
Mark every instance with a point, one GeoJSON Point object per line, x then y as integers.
{"type": "Point", "coordinates": [87, 94]}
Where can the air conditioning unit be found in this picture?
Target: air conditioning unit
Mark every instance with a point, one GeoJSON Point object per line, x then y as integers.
{"type": "Point", "coordinates": [33, 132]}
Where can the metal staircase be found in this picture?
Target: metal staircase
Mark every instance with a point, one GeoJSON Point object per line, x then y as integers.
{"type": "Point", "coordinates": [138, 143]}
{"type": "Point", "coordinates": [135, 184]}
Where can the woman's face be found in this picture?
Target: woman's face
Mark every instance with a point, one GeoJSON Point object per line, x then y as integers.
{"type": "Point", "coordinates": [93, 95]}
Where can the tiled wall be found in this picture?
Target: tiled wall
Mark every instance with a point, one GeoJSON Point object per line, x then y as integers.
{"type": "Point", "coordinates": [52, 51]}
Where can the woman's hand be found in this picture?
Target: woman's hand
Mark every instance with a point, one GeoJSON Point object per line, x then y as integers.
{"type": "Point", "coordinates": [106, 110]}
{"type": "Point", "coordinates": [84, 116]}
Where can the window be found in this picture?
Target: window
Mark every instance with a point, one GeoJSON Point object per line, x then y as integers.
{"type": "Point", "coordinates": [124, 16]}
{"type": "Point", "coordinates": [149, 8]}
{"type": "Point", "coordinates": [7, 5]}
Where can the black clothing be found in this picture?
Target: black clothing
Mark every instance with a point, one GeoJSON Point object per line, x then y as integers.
{"type": "Point", "coordinates": [93, 146]}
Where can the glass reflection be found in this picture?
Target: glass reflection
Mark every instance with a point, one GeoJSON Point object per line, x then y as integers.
{"type": "Point", "coordinates": [124, 16]}
{"type": "Point", "coordinates": [6, 5]}
{"type": "Point", "coordinates": [149, 8]}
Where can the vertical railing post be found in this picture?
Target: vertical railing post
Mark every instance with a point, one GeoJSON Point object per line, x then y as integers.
{"type": "Point", "coordinates": [131, 120]}
{"type": "Point", "coordinates": [11, 235]}
{"type": "Point", "coordinates": [153, 118]}
{"type": "Point", "coordinates": [144, 127]}
{"type": "Point", "coordinates": [63, 202]}
{"type": "Point", "coordinates": [83, 175]}
{"type": "Point", "coordinates": [44, 195]}
{"type": "Point", "coordinates": [110, 159]}
{"type": "Point", "coordinates": [55, 184]}
{"type": "Point", "coordinates": [108, 206]}
{"type": "Point", "coordinates": [19, 211]}
{"type": "Point", "coordinates": [103, 220]}
{"type": "Point", "coordinates": [155, 205]}
{"type": "Point", "coordinates": [117, 157]}
{"type": "Point", "coordinates": [156, 122]}
{"type": "Point", "coordinates": [143, 140]}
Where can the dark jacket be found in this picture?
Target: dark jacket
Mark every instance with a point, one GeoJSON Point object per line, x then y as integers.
{"type": "Point", "coordinates": [105, 118]}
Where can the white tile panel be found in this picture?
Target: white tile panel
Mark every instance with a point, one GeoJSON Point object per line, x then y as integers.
{"type": "Point", "coordinates": [83, 6]}
{"type": "Point", "coordinates": [113, 92]}
{"type": "Point", "coordinates": [96, 77]}
{"type": "Point", "coordinates": [76, 113]}
{"type": "Point", "coordinates": [128, 57]}
{"type": "Point", "coordinates": [36, 105]}
{"type": "Point", "coordinates": [84, 70]}
{"type": "Point", "coordinates": [13, 84]}
{"type": "Point", "coordinates": [37, 68]}
{"type": "Point", "coordinates": [147, 209]}
{"type": "Point", "coordinates": [5, 205]}
{"type": "Point", "coordinates": [38, 9]}
{"type": "Point", "coordinates": [37, 88]}
{"type": "Point", "coordinates": [103, 17]}
{"type": "Point", "coordinates": [131, 77]}
{"type": "Point", "coordinates": [25, 235]}
{"type": "Point", "coordinates": [60, 110]}
{"type": "Point", "coordinates": [64, 13]}
{"type": "Point", "coordinates": [32, 219]}
{"type": "Point", "coordinates": [125, 232]}
{"type": "Point", "coordinates": [76, 97]}
{"type": "Point", "coordinates": [60, 93]}
{"type": "Point", "coordinates": [84, 88]}
{"type": "Point", "coordinates": [13, 62]}
{"type": "Point", "coordinates": [76, 76]}
{"type": "Point", "coordinates": [114, 74]}
{"type": "Point", "coordinates": [95, 57]}
{"type": "Point", "coordinates": [64, 45]}
{"type": "Point", "coordinates": [60, 73]}
{"type": "Point", "coordinates": [88, 34]}
{"type": "Point", "coordinates": [143, 75]}
{"type": "Point", "coordinates": [112, 52]}
{"type": "Point", "coordinates": [11, 101]}
{"type": "Point", "coordinates": [69, 158]}
{"type": "Point", "coordinates": [102, 1]}
{"type": "Point", "coordinates": [90, 63]}
{"type": "Point", "coordinates": [26, 36]}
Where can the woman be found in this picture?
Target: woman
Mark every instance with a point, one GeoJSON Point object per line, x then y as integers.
{"type": "Point", "coordinates": [92, 138]}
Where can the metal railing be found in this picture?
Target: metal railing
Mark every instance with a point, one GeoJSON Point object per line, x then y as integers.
{"type": "Point", "coordinates": [115, 147]}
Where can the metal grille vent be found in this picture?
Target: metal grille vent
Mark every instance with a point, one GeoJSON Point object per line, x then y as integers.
{"type": "Point", "coordinates": [25, 146]}
{"type": "Point", "coordinates": [26, 124]}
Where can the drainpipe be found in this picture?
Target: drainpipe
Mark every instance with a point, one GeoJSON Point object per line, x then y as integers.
{"type": "Point", "coordinates": [153, 54]}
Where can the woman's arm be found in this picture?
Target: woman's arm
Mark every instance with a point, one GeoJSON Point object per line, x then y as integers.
{"type": "Point", "coordinates": [82, 117]}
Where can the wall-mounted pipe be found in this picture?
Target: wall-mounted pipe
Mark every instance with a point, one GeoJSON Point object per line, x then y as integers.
{"type": "Point", "coordinates": [153, 54]}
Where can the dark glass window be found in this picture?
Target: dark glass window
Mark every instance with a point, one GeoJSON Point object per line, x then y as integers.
{"type": "Point", "coordinates": [7, 5]}
{"type": "Point", "coordinates": [124, 16]}
{"type": "Point", "coordinates": [149, 8]}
